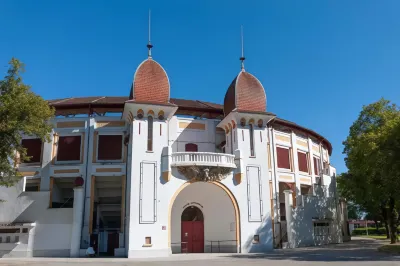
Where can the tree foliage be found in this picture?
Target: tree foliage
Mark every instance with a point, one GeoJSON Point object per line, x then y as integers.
{"type": "Point", "coordinates": [372, 152]}
{"type": "Point", "coordinates": [21, 112]}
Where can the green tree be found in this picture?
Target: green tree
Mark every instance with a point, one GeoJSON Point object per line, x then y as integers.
{"type": "Point", "coordinates": [354, 212]}
{"type": "Point", "coordinates": [21, 112]}
{"type": "Point", "coordinates": [372, 157]}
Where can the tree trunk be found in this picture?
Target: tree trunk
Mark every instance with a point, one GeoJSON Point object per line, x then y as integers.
{"type": "Point", "coordinates": [385, 220]}
{"type": "Point", "coordinates": [386, 229]}
{"type": "Point", "coordinates": [376, 225]}
{"type": "Point", "coordinates": [392, 215]}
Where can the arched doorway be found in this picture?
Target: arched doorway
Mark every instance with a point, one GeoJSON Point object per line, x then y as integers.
{"type": "Point", "coordinates": [192, 230]}
{"type": "Point", "coordinates": [221, 217]}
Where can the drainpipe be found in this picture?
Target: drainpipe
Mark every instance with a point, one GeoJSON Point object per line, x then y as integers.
{"type": "Point", "coordinates": [126, 182]}
{"type": "Point", "coordinates": [86, 172]}
{"type": "Point", "coordinates": [273, 160]}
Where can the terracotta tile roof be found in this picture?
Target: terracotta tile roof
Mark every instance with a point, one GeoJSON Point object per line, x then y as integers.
{"type": "Point", "coordinates": [98, 100]}
{"type": "Point", "coordinates": [195, 104]}
{"type": "Point", "coordinates": [150, 83]}
{"type": "Point", "coordinates": [246, 93]}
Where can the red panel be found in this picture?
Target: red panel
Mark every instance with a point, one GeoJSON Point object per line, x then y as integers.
{"type": "Point", "coordinates": [192, 237]}
{"type": "Point", "coordinates": [186, 237]}
{"type": "Point", "coordinates": [33, 149]}
{"type": "Point", "coordinates": [316, 166]}
{"type": "Point", "coordinates": [69, 148]}
{"type": "Point", "coordinates": [303, 164]}
{"type": "Point", "coordinates": [283, 158]}
{"type": "Point", "coordinates": [110, 147]}
{"type": "Point", "coordinates": [198, 237]}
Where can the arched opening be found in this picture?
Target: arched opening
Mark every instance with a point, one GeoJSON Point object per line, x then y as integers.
{"type": "Point", "coordinates": [192, 214]}
{"type": "Point", "coordinates": [192, 230]}
{"type": "Point", "coordinates": [213, 205]}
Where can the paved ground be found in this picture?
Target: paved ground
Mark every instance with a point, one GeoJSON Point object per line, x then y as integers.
{"type": "Point", "coordinates": [357, 252]}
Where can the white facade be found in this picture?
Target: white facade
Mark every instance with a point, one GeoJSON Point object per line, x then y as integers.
{"type": "Point", "coordinates": [133, 206]}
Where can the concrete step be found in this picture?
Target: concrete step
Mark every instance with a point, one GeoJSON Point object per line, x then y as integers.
{"type": "Point", "coordinates": [285, 245]}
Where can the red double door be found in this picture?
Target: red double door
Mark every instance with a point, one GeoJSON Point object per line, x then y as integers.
{"type": "Point", "coordinates": [192, 237]}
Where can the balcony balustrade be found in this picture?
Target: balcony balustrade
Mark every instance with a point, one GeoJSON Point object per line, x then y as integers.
{"type": "Point", "coordinates": [203, 159]}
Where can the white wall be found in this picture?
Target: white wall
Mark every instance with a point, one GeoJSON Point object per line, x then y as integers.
{"type": "Point", "coordinates": [204, 139]}
{"type": "Point", "coordinates": [138, 231]}
{"type": "Point", "coordinates": [218, 212]}
{"type": "Point", "coordinates": [317, 208]}
{"type": "Point", "coordinates": [249, 228]}
{"type": "Point", "coordinates": [53, 226]}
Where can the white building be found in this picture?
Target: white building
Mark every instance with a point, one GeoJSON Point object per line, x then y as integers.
{"type": "Point", "coordinates": [151, 176]}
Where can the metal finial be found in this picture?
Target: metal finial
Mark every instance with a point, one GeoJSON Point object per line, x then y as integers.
{"type": "Point", "coordinates": [242, 58]}
{"type": "Point", "coordinates": [149, 45]}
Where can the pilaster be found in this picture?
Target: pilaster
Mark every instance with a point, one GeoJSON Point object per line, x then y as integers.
{"type": "Point", "coordinates": [77, 221]}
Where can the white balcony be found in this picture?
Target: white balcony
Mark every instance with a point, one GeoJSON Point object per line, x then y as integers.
{"type": "Point", "coordinates": [203, 159]}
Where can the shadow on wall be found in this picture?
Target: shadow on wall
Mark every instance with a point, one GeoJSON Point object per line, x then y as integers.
{"type": "Point", "coordinates": [264, 232]}
{"type": "Point", "coordinates": [315, 219]}
{"type": "Point", "coordinates": [201, 137]}
{"type": "Point", "coordinates": [32, 207]}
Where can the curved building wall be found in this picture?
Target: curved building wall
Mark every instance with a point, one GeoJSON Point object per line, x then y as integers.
{"type": "Point", "coordinates": [148, 178]}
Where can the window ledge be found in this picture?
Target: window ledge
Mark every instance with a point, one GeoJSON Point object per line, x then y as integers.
{"type": "Point", "coordinates": [149, 151]}
{"type": "Point", "coordinates": [284, 170]}
{"type": "Point", "coordinates": [108, 161]}
{"type": "Point", "coordinates": [252, 156]}
{"type": "Point", "coordinates": [147, 245]}
{"type": "Point", "coordinates": [304, 174]}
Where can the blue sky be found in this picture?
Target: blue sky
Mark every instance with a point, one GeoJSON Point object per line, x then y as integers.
{"type": "Point", "coordinates": [319, 61]}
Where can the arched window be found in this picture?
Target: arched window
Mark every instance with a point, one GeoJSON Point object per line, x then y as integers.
{"type": "Point", "coordinates": [150, 133]}
{"type": "Point", "coordinates": [191, 147]}
{"type": "Point", "coordinates": [192, 213]}
{"type": "Point", "coordinates": [251, 131]}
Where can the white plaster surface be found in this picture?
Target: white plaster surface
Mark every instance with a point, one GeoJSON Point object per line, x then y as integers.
{"type": "Point", "coordinates": [218, 213]}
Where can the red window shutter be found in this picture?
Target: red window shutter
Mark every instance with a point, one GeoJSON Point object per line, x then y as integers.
{"type": "Point", "coordinates": [283, 158]}
{"type": "Point", "coordinates": [191, 147]}
{"type": "Point", "coordinates": [33, 149]}
{"type": "Point", "coordinates": [69, 148]}
{"type": "Point", "coordinates": [316, 166]}
{"type": "Point", "coordinates": [109, 147]}
{"type": "Point", "coordinates": [303, 164]}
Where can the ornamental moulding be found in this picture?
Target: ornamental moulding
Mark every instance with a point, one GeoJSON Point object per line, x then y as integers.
{"type": "Point", "coordinates": [204, 173]}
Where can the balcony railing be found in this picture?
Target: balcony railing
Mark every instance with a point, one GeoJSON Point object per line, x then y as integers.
{"type": "Point", "coordinates": [203, 159]}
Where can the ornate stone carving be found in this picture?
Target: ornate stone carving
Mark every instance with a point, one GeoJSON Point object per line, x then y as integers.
{"type": "Point", "coordinates": [204, 173]}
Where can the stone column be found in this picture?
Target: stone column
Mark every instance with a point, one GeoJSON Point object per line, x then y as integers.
{"type": "Point", "coordinates": [289, 216]}
{"type": "Point", "coordinates": [77, 221]}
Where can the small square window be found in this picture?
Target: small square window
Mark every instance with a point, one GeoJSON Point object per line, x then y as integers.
{"type": "Point", "coordinates": [24, 230]}
{"type": "Point", "coordinates": [148, 240]}
{"type": "Point", "coordinates": [256, 239]}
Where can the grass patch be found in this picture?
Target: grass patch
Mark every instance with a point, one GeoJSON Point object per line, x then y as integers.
{"type": "Point", "coordinates": [378, 237]}
{"type": "Point", "coordinates": [392, 249]}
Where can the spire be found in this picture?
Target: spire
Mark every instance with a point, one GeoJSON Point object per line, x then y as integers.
{"type": "Point", "coordinates": [242, 58]}
{"type": "Point", "coordinates": [149, 45]}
